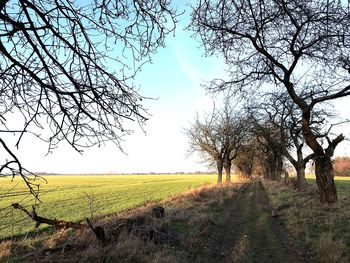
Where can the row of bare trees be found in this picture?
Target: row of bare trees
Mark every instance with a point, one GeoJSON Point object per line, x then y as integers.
{"type": "Point", "coordinates": [259, 135]}
{"type": "Point", "coordinates": [301, 48]}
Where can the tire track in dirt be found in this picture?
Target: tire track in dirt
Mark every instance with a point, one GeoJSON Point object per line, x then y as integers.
{"type": "Point", "coordinates": [244, 231]}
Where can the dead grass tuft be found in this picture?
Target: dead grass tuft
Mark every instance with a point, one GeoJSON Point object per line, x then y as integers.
{"type": "Point", "coordinates": [93, 253]}
{"type": "Point", "coordinates": [329, 250]}
{"type": "Point", "coordinates": [5, 249]}
{"type": "Point", "coordinates": [240, 249]}
{"type": "Point", "coordinates": [55, 239]}
{"type": "Point", "coordinates": [163, 256]}
{"type": "Point", "coordinates": [129, 248]}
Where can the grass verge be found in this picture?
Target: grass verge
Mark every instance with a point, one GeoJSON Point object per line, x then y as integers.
{"type": "Point", "coordinates": [175, 238]}
{"type": "Point", "coordinates": [321, 229]}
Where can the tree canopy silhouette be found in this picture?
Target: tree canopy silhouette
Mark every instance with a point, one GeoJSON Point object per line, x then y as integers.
{"type": "Point", "coordinates": [218, 137]}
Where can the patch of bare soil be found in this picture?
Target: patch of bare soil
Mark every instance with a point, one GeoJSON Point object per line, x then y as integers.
{"type": "Point", "coordinates": [245, 231]}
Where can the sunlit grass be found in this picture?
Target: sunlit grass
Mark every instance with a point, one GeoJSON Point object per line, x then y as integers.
{"type": "Point", "coordinates": [77, 197]}
{"type": "Point", "coordinates": [321, 229]}
{"type": "Point", "coordinates": [337, 178]}
{"type": "Point", "coordinates": [190, 215]}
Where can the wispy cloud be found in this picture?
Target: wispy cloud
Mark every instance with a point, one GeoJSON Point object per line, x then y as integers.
{"type": "Point", "coordinates": [184, 64]}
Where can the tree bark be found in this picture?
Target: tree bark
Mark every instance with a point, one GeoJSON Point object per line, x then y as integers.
{"type": "Point", "coordinates": [220, 167]}
{"type": "Point", "coordinates": [52, 222]}
{"type": "Point", "coordinates": [272, 170]}
{"type": "Point", "coordinates": [228, 172]}
{"type": "Point", "coordinates": [279, 168]}
{"type": "Point", "coordinates": [325, 179]}
{"type": "Point", "coordinates": [301, 178]}
{"type": "Point", "coordinates": [323, 163]}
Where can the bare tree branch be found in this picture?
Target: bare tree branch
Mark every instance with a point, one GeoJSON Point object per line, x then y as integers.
{"type": "Point", "coordinates": [66, 68]}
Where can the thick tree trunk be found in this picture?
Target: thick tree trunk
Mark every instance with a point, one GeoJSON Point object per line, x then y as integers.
{"type": "Point", "coordinates": [228, 173]}
{"type": "Point", "coordinates": [323, 163]}
{"type": "Point", "coordinates": [220, 167]}
{"type": "Point", "coordinates": [325, 179]}
{"type": "Point", "coordinates": [272, 170]}
{"type": "Point", "coordinates": [301, 178]}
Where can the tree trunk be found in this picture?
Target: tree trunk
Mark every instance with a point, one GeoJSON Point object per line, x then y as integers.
{"type": "Point", "coordinates": [300, 168]}
{"type": "Point", "coordinates": [301, 178]}
{"type": "Point", "coordinates": [272, 170]}
{"type": "Point", "coordinates": [279, 167]}
{"type": "Point", "coordinates": [220, 167]}
{"type": "Point", "coordinates": [325, 179]}
{"type": "Point", "coordinates": [323, 163]}
{"type": "Point", "coordinates": [267, 172]}
{"type": "Point", "coordinates": [228, 173]}
{"type": "Point", "coordinates": [286, 177]}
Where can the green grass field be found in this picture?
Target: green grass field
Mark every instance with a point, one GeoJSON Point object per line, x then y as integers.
{"type": "Point", "coordinates": [342, 183]}
{"type": "Point", "coordinates": [76, 197]}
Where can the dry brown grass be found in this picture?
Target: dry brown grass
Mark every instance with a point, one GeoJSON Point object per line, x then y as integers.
{"type": "Point", "coordinates": [240, 248]}
{"type": "Point", "coordinates": [5, 249]}
{"type": "Point", "coordinates": [323, 230]}
{"type": "Point", "coordinates": [329, 250]}
{"type": "Point", "coordinates": [187, 218]}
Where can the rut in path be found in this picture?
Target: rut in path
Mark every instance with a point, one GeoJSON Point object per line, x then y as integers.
{"type": "Point", "coordinates": [246, 232]}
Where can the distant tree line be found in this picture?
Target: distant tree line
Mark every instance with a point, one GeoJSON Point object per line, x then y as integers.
{"type": "Point", "coordinates": [262, 137]}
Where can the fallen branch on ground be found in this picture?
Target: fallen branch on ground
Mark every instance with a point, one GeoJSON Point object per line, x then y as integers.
{"type": "Point", "coordinates": [59, 224]}
{"type": "Point", "coordinates": [52, 222]}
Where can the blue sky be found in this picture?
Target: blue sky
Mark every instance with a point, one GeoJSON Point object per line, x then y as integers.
{"type": "Point", "coordinates": [174, 80]}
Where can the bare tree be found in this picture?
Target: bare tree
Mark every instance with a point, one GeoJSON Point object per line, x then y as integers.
{"type": "Point", "coordinates": [65, 69]}
{"type": "Point", "coordinates": [204, 140]}
{"type": "Point", "coordinates": [297, 46]}
{"type": "Point", "coordinates": [284, 115]}
{"type": "Point", "coordinates": [217, 138]}
{"type": "Point", "coordinates": [235, 128]}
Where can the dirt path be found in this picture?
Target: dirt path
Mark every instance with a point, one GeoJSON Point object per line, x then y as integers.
{"type": "Point", "coordinates": [245, 231]}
